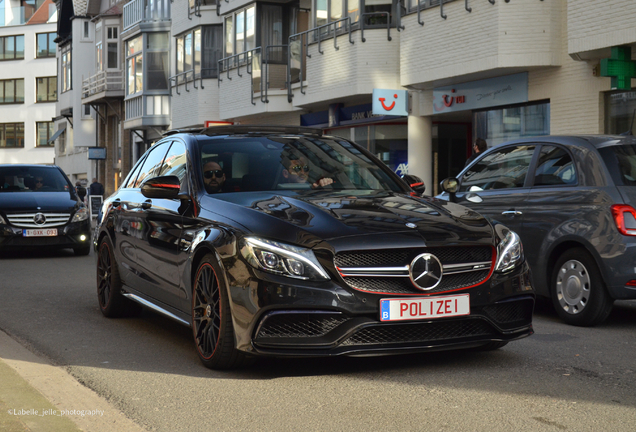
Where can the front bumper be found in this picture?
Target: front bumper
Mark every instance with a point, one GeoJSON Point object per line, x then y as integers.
{"type": "Point", "coordinates": [297, 321]}
{"type": "Point", "coordinates": [69, 236]}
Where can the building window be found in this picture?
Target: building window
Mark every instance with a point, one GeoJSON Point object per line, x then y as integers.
{"type": "Point", "coordinates": [134, 65]}
{"type": "Point", "coordinates": [240, 31]}
{"type": "Point", "coordinates": [99, 52]}
{"type": "Point", "coordinates": [11, 135]}
{"type": "Point", "coordinates": [198, 52]}
{"type": "Point", "coordinates": [46, 89]}
{"type": "Point", "coordinates": [157, 61]}
{"type": "Point", "coordinates": [12, 47]}
{"type": "Point", "coordinates": [12, 91]}
{"type": "Point", "coordinates": [333, 10]}
{"type": "Point", "coordinates": [67, 67]}
{"type": "Point", "coordinates": [44, 133]}
{"type": "Point", "coordinates": [619, 110]}
{"type": "Point", "coordinates": [112, 46]}
{"type": "Point", "coordinates": [45, 45]}
{"type": "Point", "coordinates": [503, 124]}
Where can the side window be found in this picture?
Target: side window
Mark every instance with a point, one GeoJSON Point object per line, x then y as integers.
{"type": "Point", "coordinates": [506, 168]}
{"type": "Point", "coordinates": [555, 167]}
{"type": "Point", "coordinates": [175, 161]}
{"type": "Point", "coordinates": [152, 163]}
{"type": "Point", "coordinates": [132, 177]}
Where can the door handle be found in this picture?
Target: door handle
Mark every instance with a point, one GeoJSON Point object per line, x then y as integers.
{"type": "Point", "coordinates": [146, 204]}
{"type": "Point", "coordinates": [512, 213]}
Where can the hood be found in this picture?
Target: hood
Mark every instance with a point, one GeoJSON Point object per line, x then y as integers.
{"type": "Point", "coordinates": [377, 217]}
{"type": "Point", "coordinates": [12, 202]}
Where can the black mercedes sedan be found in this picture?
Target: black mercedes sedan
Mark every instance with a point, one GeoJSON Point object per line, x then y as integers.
{"type": "Point", "coordinates": [281, 241]}
{"type": "Point", "coordinates": [571, 199]}
{"type": "Point", "coordinates": [39, 208]}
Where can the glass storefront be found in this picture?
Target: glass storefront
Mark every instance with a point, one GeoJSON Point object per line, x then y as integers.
{"type": "Point", "coordinates": [620, 109]}
{"type": "Point", "coordinates": [387, 141]}
{"type": "Point", "coordinates": [499, 125]}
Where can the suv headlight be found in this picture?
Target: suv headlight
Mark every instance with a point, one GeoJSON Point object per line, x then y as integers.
{"type": "Point", "coordinates": [2, 221]}
{"type": "Point", "coordinates": [283, 259]}
{"type": "Point", "coordinates": [509, 251]}
{"type": "Point", "coordinates": [80, 215]}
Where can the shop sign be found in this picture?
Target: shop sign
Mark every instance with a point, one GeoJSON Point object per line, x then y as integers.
{"type": "Point", "coordinates": [504, 90]}
{"type": "Point", "coordinates": [390, 102]}
{"type": "Point", "coordinates": [337, 115]}
{"type": "Point", "coordinates": [97, 153]}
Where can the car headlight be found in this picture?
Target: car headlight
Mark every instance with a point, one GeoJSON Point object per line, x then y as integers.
{"type": "Point", "coordinates": [2, 221]}
{"type": "Point", "coordinates": [80, 215]}
{"type": "Point", "coordinates": [509, 251]}
{"type": "Point", "coordinates": [283, 259]}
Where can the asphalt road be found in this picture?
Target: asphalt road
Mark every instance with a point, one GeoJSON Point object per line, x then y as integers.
{"type": "Point", "coordinates": [562, 378]}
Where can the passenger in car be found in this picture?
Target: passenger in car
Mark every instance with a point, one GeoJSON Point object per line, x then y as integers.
{"type": "Point", "coordinates": [297, 171]}
{"type": "Point", "coordinates": [213, 177]}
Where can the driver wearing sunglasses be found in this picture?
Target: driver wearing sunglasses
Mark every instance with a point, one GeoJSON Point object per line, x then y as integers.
{"type": "Point", "coordinates": [213, 177]}
{"type": "Point", "coordinates": [297, 171]}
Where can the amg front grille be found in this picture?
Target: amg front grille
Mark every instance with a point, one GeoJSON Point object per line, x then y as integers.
{"type": "Point", "coordinates": [420, 332]}
{"type": "Point", "coordinates": [27, 220]}
{"type": "Point", "coordinates": [387, 271]}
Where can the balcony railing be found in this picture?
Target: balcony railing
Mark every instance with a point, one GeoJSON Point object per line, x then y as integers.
{"type": "Point", "coordinates": [102, 82]}
{"type": "Point", "coordinates": [20, 15]}
{"type": "Point", "coordinates": [137, 11]}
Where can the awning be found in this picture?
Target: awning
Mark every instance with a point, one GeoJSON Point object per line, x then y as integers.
{"type": "Point", "coordinates": [56, 134]}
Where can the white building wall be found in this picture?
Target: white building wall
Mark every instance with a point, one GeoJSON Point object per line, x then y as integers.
{"type": "Point", "coordinates": [599, 24]}
{"type": "Point", "coordinates": [195, 106]}
{"type": "Point", "coordinates": [74, 161]}
{"type": "Point", "coordinates": [29, 112]}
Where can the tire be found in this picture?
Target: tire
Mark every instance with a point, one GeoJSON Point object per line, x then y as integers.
{"type": "Point", "coordinates": [212, 320]}
{"type": "Point", "coordinates": [82, 251]}
{"type": "Point", "coordinates": [111, 301]}
{"type": "Point", "coordinates": [578, 291]}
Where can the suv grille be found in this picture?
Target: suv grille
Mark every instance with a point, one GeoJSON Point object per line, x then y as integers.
{"type": "Point", "coordinates": [26, 220]}
{"type": "Point", "coordinates": [387, 272]}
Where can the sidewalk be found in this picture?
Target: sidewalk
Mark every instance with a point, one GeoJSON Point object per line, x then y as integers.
{"type": "Point", "coordinates": [36, 396]}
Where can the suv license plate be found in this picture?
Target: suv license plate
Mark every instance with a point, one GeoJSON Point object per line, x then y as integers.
{"type": "Point", "coordinates": [405, 309]}
{"type": "Point", "coordinates": [49, 232]}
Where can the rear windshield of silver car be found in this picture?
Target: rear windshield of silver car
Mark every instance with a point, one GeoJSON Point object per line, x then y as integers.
{"type": "Point", "coordinates": [265, 163]}
{"type": "Point", "coordinates": [621, 163]}
{"type": "Point", "coordinates": [32, 179]}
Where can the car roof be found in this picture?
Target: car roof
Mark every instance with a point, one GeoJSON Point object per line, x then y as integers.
{"type": "Point", "coordinates": [597, 141]}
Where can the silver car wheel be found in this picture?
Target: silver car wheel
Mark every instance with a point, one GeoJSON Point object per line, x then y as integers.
{"type": "Point", "coordinates": [573, 286]}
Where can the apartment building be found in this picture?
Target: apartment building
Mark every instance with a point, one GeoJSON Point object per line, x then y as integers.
{"type": "Point", "coordinates": [28, 81]}
{"type": "Point", "coordinates": [413, 81]}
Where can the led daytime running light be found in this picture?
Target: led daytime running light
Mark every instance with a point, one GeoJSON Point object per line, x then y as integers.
{"type": "Point", "coordinates": [286, 253]}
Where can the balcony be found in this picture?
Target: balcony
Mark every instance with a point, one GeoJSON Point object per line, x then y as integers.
{"type": "Point", "coordinates": [147, 15]}
{"type": "Point", "coordinates": [465, 41]}
{"type": "Point", "coordinates": [20, 15]}
{"type": "Point", "coordinates": [613, 25]}
{"type": "Point", "coordinates": [147, 111]}
{"type": "Point", "coordinates": [254, 82]}
{"type": "Point", "coordinates": [102, 86]}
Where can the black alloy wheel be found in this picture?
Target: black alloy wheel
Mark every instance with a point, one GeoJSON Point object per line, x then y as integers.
{"type": "Point", "coordinates": [578, 290]}
{"type": "Point", "coordinates": [111, 302]}
{"type": "Point", "coordinates": [212, 320]}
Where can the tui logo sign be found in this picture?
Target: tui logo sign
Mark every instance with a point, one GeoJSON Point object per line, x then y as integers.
{"type": "Point", "coordinates": [390, 102]}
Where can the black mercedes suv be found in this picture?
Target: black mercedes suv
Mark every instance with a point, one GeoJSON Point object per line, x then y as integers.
{"type": "Point", "coordinates": [39, 208]}
{"type": "Point", "coordinates": [282, 241]}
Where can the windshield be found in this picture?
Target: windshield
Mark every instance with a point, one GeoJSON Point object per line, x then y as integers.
{"type": "Point", "coordinates": [32, 179]}
{"type": "Point", "coordinates": [621, 163]}
{"type": "Point", "coordinates": [244, 163]}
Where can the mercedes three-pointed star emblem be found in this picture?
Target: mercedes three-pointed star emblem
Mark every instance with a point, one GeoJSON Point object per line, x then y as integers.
{"type": "Point", "coordinates": [425, 271]}
{"type": "Point", "coordinates": [39, 219]}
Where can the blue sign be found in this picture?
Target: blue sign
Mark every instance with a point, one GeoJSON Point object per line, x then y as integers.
{"type": "Point", "coordinates": [351, 115]}
{"type": "Point", "coordinates": [504, 90]}
{"type": "Point", "coordinates": [98, 153]}
{"type": "Point", "coordinates": [390, 102]}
